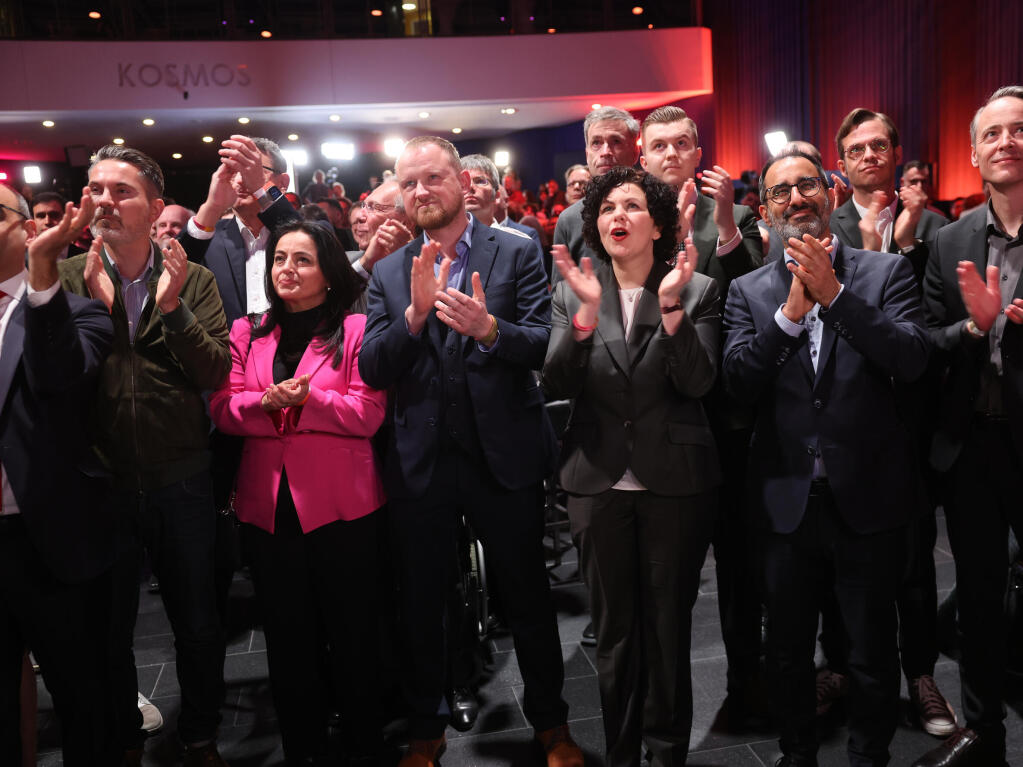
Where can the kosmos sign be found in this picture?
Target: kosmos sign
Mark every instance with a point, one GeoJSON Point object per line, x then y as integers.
{"type": "Point", "coordinates": [131, 75]}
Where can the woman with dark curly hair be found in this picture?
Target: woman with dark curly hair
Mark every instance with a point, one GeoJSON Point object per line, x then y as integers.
{"type": "Point", "coordinates": [634, 343]}
{"type": "Point", "coordinates": [307, 490]}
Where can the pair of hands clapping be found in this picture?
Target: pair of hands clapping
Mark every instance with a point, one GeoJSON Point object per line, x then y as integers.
{"type": "Point", "coordinates": [462, 313]}
{"type": "Point", "coordinates": [289, 393]}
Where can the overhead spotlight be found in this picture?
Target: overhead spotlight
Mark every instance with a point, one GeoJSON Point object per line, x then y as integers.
{"type": "Point", "coordinates": [649, 26]}
{"type": "Point", "coordinates": [176, 156]}
{"type": "Point", "coordinates": [148, 121]}
{"type": "Point", "coordinates": [775, 141]}
{"type": "Point", "coordinates": [393, 146]}
{"type": "Point", "coordinates": [456, 130]}
{"type": "Point", "coordinates": [509, 111]}
{"type": "Point", "coordinates": [95, 15]}
{"type": "Point", "coordinates": [3, 175]}
{"type": "Point", "coordinates": [244, 120]}
{"type": "Point", "coordinates": [118, 141]}
{"type": "Point", "coordinates": [335, 118]}
{"type": "Point", "coordinates": [423, 115]}
{"type": "Point", "coordinates": [502, 158]}
{"type": "Point", "coordinates": [596, 106]}
{"type": "Point", "coordinates": [376, 12]}
{"type": "Point", "coordinates": [299, 157]}
{"type": "Point", "coordinates": [637, 10]}
{"type": "Point", "coordinates": [408, 6]}
{"type": "Point", "coordinates": [551, 30]}
{"type": "Point", "coordinates": [266, 33]}
{"type": "Point", "coordinates": [207, 139]}
{"type": "Point", "coordinates": [32, 174]}
{"type": "Point", "coordinates": [48, 123]}
{"type": "Point", "coordinates": [292, 137]}
{"type": "Point", "coordinates": [338, 150]}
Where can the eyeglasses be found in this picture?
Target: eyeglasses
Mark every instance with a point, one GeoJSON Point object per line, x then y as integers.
{"type": "Point", "coordinates": [808, 186]}
{"type": "Point", "coordinates": [579, 184]}
{"type": "Point", "coordinates": [877, 146]}
{"type": "Point", "coordinates": [480, 181]}
{"type": "Point", "coordinates": [13, 210]}
{"type": "Point", "coordinates": [269, 170]}
{"type": "Point", "coordinates": [376, 207]}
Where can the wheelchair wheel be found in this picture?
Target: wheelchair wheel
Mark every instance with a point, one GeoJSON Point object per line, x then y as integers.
{"type": "Point", "coordinates": [475, 586]}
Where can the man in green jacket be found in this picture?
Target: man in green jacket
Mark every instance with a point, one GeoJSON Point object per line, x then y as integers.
{"type": "Point", "coordinates": [151, 431]}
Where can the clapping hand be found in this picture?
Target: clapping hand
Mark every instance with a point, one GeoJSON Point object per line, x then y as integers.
{"type": "Point", "coordinates": [45, 248]}
{"type": "Point", "coordinates": [289, 393]}
{"type": "Point", "coordinates": [814, 269]}
{"type": "Point", "coordinates": [425, 285]}
{"type": "Point", "coordinates": [172, 279]}
{"type": "Point", "coordinates": [984, 301]}
{"type": "Point", "coordinates": [868, 224]}
{"type": "Point", "coordinates": [584, 283]}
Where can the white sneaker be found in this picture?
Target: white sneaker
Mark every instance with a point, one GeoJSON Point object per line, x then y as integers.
{"type": "Point", "coordinates": [152, 719]}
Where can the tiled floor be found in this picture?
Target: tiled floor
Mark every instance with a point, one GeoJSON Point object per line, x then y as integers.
{"type": "Point", "coordinates": [501, 736]}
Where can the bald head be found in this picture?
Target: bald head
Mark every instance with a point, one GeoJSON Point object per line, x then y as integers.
{"type": "Point", "coordinates": [16, 229]}
{"type": "Point", "coordinates": [170, 223]}
{"type": "Point", "coordinates": [382, 204]}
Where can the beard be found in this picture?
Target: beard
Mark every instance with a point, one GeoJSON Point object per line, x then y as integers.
{"type": "Point", "coordinates": [433, 216]}
{"type": "Point", "coordinates": [815, 226]}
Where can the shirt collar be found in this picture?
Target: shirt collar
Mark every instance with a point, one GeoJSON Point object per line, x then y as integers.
{"type": "Point", "coordinates": [247, 234]}
{"type": "Point", "coordinates": [145, 272]}
{"type": "Point", "coordinates": [994, 227]}
{"type": "Point", "coordinates": [464, 243]}
{"type": "Point", "coordinates": [863, 211]}
{"type": "Point", "coordinates": [14, 286]}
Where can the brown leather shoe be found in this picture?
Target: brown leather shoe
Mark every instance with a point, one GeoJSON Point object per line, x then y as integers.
{"type": "Point", "coordinates": [559, 747]}
{"type": "Point", "coordinates": [424, 753]}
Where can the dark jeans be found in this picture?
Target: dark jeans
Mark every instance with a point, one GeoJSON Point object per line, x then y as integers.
{"type": "Point", "coordinates": [865, 571]}
{"type": "Point", "coordinates": [317, 595]}
{"type": "Point", "coordinates": [65, 626]}
{"type": "Point", "coordinates": [510, 525]}
{"type": "Point", "coordinates": [642, 554]}
{"type": "Point", "coordinates": [177, 526]}
{"type": "Point", "coordinates": [983, 501]}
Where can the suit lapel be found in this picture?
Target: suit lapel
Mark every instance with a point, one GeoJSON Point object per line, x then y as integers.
{"type": "Point", "coordinates": [235, 252]}
{"type": "Point", "coordinates": [845, 269]}
{"type": "Point", "coordinates": [13, 343]}
{"type": "Point", "coordinates": [647, 318]}
{"type": "Point", "coordinates": [609, 324]}
{"type": "Point", "coordinates": [263, 351]}
{"type": "Point", "coordinates": [705, 233]}
{"type": "Point", "coordinates": [312, 360]}
{"type": "Point", "coordinates": [846, 224]}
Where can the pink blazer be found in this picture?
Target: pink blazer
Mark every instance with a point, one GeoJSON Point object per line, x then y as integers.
{"type": "Point", "coordinates": [325, 443]}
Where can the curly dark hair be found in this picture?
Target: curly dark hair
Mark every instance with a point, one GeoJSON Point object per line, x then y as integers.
{"type": "Point", "coordinates": [661, 201]}
{"type": "Point", "coordinates": [344, 286]}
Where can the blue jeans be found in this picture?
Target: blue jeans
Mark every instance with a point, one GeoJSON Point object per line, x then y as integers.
{"type": "Point", "coordinates": [177, 526]}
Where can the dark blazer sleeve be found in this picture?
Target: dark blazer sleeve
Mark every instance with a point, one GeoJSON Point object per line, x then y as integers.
{"type": "Point", "coordinates": [64, 350]}
{"type": "Point", "coordinates": [280, 212]}
{"type": "Point", "coordinates": [523, 339]}
{"type": "Point", "coordinates": [564, 370]}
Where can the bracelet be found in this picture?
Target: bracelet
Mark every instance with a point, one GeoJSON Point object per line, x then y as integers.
{"type": "Point", "coordinates": [491, 335]}
{"type": "Point", "coordinates": [200, 227]}
{"type": "Point", "coordinates": [305, 399]}
{"type": "Point", "coordinates": [583, 328]}
{"type": "Point", "coordinates": [676, 307]}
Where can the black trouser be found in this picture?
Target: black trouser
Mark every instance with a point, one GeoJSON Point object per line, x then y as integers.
{"type": "Point", "coordinates": [983, 500]}
{"type": "Point", "coordinates": [642, 554]}
{"type": "Point", "coordinates": [65, 625]}
{"type": "Point", "coordinates": [177, 526]}
{"type": "Point", "coordinates": [865, 571]}
{"type": "Point", "coordinates": [317, 595]}
{"type": "Point", "coordinates": [510, 525]}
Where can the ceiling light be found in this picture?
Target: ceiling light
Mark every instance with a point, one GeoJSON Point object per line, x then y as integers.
{"type": "Point", "coordinates": [176, 156]}
{"type": "Point", "coordinates": [266, 33]}
{"type": "Point", "coordinates": [509, 111]}
{"type": "Point", "coordinates": [95, 15]}
{"type": "Point", "coordinates": [637, 10]}
{"type": "Point", "coordinates": [423, 115]}
{"type": "Point", "coordinates": [408, 6]}
{"type": "Point", "coordinates": [502, 158]}
{"type": "Point", "coordinates": [207, 139]}
{"type": "Point", "coordinates": [335, 118]}
{"type": "Point", "coordinates": [48, 123]}
{"type": "Point", "coordinates": [338, 150]}
{"type": "Point", "coordinates": [3, 175]}
{"type": "Point", "coordinates": [393, 146]}
{"type": "Point", "coordinates": [299, 157]}
{"type": "Point", "coordinates": [149, 121]}
{"type": "Point", "coordinates": [596, 106]}
{"type": "Point", "coordinates": [649, 26]}
{"type": "Point", "coordinates": [551, 30]}
{"type": "Point", "coordinates": [376, 12]}
{"type": "Point", "coordinates": [292, 137]}
{"type": "Point", "coordinates": [243, 120]}
{"type": "Point", "coordinates": [775, 141]}
{"type": "Point", "coordinates": [32, 174]}
{"type": "Point", "coordinates": [118, 140]}
{"type": "Point", "coordinates": [456, 130]}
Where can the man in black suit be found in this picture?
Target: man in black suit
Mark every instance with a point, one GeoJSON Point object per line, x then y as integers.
{"type": "Point", "coordinates": [56, 528]}
{"type": "Point", "coordinates": [728, 242]}
{"type": "Point", "coordinates": [470, 436]}
{"type": "Point", "coordinates": [814, 342]}
{"type": "Point", "coordinates": [977, 325]}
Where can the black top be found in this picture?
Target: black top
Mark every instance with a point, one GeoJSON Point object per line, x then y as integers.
{"type": "Point", "coordinates": [297, 330]}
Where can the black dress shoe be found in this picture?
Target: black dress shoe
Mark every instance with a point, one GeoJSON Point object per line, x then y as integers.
{"type": "Point", "coordinates": [964, 749]}
{"type": "Point", "coordinates": [795, 761]}
{"type": "Point", "coordinates": [589, 635]}
{"type": "Point", "coordinates": [465, 707]}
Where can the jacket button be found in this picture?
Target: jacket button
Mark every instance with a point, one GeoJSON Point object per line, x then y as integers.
{"type": "Point", "coordinates": [811, 450]}
{"type": "Point", "coordinates": [818, 404]}
{"type": "Point", "coordinates": [450, 351]}
{"type": "Point", "coordinates": [628, 424]}
{"type": "Point", "coordinates": [431, 421]}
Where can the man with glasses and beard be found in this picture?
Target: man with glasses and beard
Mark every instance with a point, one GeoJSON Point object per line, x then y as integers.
{"type": "Point", "coordinates": [814, 341]}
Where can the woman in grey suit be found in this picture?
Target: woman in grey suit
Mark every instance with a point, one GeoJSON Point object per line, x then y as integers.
{"type": "Point", "coordinates": [634, 343]}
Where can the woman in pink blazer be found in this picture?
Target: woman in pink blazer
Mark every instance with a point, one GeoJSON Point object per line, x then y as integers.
{"type": "Point", "coordinates": [307, 490]}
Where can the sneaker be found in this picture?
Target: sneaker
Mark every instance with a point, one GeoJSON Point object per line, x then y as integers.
{"type": "Point", "coordinates": [831, 687]}
{"type": "Point", "coordinates": [152, 719]}
{"type": "Point", "coordinates": [935, 712]}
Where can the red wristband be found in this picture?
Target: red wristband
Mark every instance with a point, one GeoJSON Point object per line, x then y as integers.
{"type": "Point", "coordinates": [199, 226]}
{"type": "Point", "coordinates": [583, 328]}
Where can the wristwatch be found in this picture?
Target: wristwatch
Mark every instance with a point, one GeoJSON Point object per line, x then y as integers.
{"type": "Point", "coordinates": [268, 195]}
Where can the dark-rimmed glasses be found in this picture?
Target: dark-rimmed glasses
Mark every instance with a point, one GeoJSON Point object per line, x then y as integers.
{"type": "Point", "coordinates": [13, 210]}
{"type": "Point", "coordinates": [808, 186]}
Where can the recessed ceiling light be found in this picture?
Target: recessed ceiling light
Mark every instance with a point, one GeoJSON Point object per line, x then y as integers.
{"type": "Point", "coordinates": [423, 115]}
{"type": "Point", "coordinates": [176, 156]}
{"type": "Point", "coordinates": [376, 12]}
{"type": "Point", "coordinates": [149, 121]}
{"type": "Point", "coordinates": [48, 123]}
{"type": "Point", "coordinates": [207, 139]}
{"type": "Point", "coordinates": [118, 140]}
{"type": "Point", "coordinates": [335, 118]}
{"type": "Point", "coordinates": [408, 6]}
{"type": "Point", "coordinates": [509, 111]}
{"type": "Point", "coordinates": [95, 15]}
{"type": "Point", "coordinates": [551, 30]}
{"type": "Point", "coordinates": [243, 120]}
{"type": "Point", "coordinates": [292, 137]}
{"type": "Point", "coordinates": [338, 150]}
{"type": "Point", "coordinates": [456, 130]}
{"type": "Point", "coordinates": [266, 33]}
{"type": "Point", "coordinates": [637, 10]}
{"type": "Point", "coordinates": [649, 26]}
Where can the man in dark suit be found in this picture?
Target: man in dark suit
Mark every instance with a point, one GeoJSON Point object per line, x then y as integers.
{"type": "Point", "coordinates": [833, 475]}
{"type": "Point", "coordinates": [56, 528]}
{"type": "Point", "coordinates": [978, 440]}
{"type": "Point", "coordinates": [876, 217]}
{"type": "Point", "coordinates": [728, 242]}
{"type": "Point", "coordinates": [470, 435]}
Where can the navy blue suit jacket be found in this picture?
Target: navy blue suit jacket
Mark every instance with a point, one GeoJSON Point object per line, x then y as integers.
{"type": "Point", "coordinates": [506, 402]}
{"type": "Point", "coordinates": [49, 365]}
{"type": "Point", "coordinates": [873, 336]}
